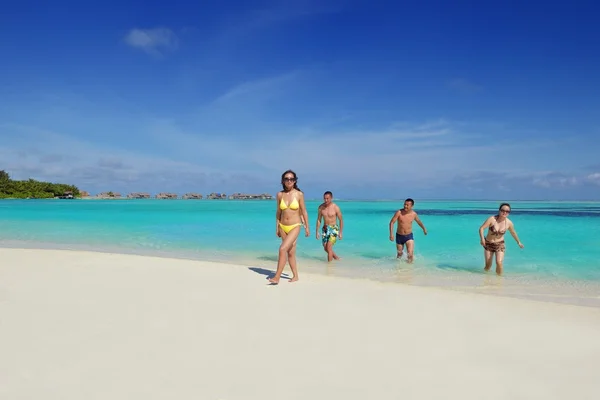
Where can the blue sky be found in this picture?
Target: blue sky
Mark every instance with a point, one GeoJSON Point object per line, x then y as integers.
{"type": "Point", "coordinates": [461, 99]}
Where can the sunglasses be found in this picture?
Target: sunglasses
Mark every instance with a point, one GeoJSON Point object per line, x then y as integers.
{"type": "Point", "coordinates": [289, 179]}
{"type": "Point", "coordinates": [505, 210]}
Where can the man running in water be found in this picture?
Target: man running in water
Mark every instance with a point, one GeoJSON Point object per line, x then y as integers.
{"type": "Point", "coordinates": [330, 213]}
{"type": "Point", "coordinates": [404, 234]}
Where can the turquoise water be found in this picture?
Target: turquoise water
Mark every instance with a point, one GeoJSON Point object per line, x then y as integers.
{"type": "Point", "coordinates": [560, 258]}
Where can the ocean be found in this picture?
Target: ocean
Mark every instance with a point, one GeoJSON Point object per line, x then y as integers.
{"type": "Point", "coordinates": [560, 261]}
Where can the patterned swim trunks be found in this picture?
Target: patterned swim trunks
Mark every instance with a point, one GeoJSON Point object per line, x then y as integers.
{"type": "Point", "coordinates": [330, 234]}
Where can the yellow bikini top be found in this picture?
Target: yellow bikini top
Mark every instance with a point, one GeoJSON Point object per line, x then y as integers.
{"type": "Point", "coordinates": [293, 205]}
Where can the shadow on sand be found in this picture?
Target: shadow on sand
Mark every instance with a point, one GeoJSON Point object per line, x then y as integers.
{"type": "Point", "coordinates": [266, 272]}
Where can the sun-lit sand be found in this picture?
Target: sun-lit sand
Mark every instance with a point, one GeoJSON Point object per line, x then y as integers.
{"type": "Point", "coordinates": [83, 326]}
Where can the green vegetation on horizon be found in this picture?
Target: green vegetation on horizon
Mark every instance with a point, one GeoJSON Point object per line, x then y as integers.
{"type": "Point", "coordinates": [32, 188]}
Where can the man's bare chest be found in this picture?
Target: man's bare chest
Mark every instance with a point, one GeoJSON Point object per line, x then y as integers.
{"type": "Point", "coordinates": [406, 218]}
{"type": "Point", "coordinates": [328, 212]}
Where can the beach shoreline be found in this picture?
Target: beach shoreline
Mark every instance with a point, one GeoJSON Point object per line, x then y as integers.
{"type": "Point", "coordinates": [200, 263]}
{"type": "Point", "coordinates": [479, 282]}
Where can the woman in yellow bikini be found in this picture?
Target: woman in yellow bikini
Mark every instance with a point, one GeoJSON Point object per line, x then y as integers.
{"type": "Point", "coordinates": [291, 211]}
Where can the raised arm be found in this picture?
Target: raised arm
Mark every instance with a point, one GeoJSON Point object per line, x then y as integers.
{"type": "Point", "coordinates": [338, 212]}
{"type": "Point", "coordinates": [511, 229]}
{"type": "Point", "coordinates": [392, 222]}
{"type": "Point", "coordinates": [418, 221]}
{"type": "Point", "coordinates": [304, 214]}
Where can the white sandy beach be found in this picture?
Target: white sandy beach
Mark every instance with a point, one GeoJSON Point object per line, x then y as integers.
{"type": "Point", "coordinates": [82, 325]}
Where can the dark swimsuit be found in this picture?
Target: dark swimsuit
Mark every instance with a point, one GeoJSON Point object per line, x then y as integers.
{"type": "Point", "coordinates": [402, 239]}
{"type": "Point", "coordinates": [495, 247]}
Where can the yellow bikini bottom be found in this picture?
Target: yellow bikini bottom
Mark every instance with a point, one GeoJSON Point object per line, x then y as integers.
{"type": "Point", "coordinates": [288, 228]}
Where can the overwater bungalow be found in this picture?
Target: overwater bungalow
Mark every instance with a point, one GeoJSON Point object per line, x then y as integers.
{"type": "Point", "coordinates": [166, 196]}
{"type": "Point", "coordinates": [217, 196]}
{"type": "Point", "coordinates": [108, 195]}
{"type": "Point", "coordinates": [244, 196]}
{"type": "Point", "coordinates": [192, 196]}
{"type": "Point", "coordinates": [138, 195]}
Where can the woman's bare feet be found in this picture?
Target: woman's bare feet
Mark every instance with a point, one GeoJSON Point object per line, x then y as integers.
{"type": "Point", "coordinates": [273, 281]}
{"type": "Point", "coordinates": [294, 279]}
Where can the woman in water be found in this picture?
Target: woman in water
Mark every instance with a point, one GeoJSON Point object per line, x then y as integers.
{"type": "Point", "coordinates": [291, 214]}
{"type": "Point", "coordinates": [493, 242]}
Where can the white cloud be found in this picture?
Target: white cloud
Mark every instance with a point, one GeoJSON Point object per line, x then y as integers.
{"type": "Point", "coordinates": [152, 41]}
{"type": "Point", "coordinates": [594, 178]}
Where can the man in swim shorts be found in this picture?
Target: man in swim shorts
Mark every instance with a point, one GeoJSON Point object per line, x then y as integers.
{"type": "Point", "coordinates": [330, 213]}
{"type": "Point", "coordinates": [404, 234]}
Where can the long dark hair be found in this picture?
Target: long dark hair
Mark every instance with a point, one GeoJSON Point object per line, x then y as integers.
{"type": "Point", "coordinates": [289, 171]}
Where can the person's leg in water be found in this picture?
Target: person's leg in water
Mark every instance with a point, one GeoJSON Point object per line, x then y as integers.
{"type": "Point", "coordinates": [488, 257]}
{"type": "Point", "coordinates": [399, 250]}
{"type": "Point", "coordinates": [410, 249]}
{"type": "Point", "coordinates": [499, 262]}
{"type": "Point", "coordinates": [332, 241]}
{"type": "Point", "coordinates": [328, 247]}
{"type": "Point", "coordinates": [287, 242]}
